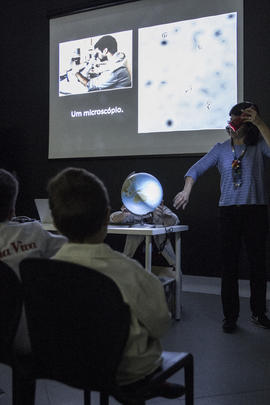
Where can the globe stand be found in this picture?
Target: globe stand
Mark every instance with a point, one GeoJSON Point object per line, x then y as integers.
{"type": "Point", "coordinates": [143, 224]}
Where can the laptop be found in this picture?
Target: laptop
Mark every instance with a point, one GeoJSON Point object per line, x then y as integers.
{"type": "Point", "coordinates": [43, 209]}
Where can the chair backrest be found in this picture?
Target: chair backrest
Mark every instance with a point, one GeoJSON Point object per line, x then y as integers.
{"type": "Point", "coordinates": [78, 322]}
{"type": "Point", "coordinates": [10, 310]}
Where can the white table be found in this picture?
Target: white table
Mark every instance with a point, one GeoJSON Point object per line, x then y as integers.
{"type": "Point", "coordinates": [148, 231]}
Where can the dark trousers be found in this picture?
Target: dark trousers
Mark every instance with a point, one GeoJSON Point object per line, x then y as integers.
{"type": "Point", "coordinates": [243, 225]}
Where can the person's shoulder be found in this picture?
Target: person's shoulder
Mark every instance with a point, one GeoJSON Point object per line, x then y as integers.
{"type": "Point", "coordinates": [115, 254]}
{"type": "Point", "coordinates": [222, 144]}
{"type": "Point", "coordinates": [17, 222]}
{"type": "Point", "coordinates": [21, 229]}
{"type": "Point", "coordinates": [219, 147]}
{"type": "Point", "coordinates": [124, 260]}
{"type": "Point", "coordinates": [33, 224]}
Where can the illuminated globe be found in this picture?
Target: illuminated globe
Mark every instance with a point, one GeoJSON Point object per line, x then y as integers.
{"type": "Point", "coordinates": [141, 193]}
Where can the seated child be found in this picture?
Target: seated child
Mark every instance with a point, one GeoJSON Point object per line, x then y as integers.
{"type": "Point", "coordinates": [162, 215]}
{"type": "Point", "coordinates": [79, 204]}
{"type": "Point", "coordinates": [20, 240]}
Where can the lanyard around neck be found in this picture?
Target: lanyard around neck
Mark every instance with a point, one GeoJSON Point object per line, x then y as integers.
{"type": "Point", "coordinates": [236, 166]}
{"type": "Point", "coordinates": [242, 154]}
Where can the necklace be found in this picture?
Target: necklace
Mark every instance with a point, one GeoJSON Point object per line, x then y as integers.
{"type": "Point", "coordinates": [236, 166]}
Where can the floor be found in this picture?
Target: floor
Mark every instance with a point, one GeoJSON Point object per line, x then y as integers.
{"type": "Point", "coordinates": [230, 369]}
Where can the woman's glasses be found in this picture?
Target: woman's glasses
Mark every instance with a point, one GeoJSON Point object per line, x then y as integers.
{"type": "Point", "coordinates": [234, 124]}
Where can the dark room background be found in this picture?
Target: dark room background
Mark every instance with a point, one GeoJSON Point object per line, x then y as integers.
{"type": "Point", "coordinates": [24, 124]}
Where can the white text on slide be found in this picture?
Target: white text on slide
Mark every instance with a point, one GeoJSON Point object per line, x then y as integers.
{"type": "Point", "coordinates": [100, 111]}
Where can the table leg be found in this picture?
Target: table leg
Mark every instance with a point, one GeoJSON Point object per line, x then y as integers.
{"type": "Point", "coordinates": [148, 253]}
{"type": "Point", "coordinates": [178, 276]}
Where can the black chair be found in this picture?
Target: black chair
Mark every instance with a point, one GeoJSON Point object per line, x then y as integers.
{"type": "Point", "coordinates": [78, 325]}
{"type": "Point", "coordinates": [10, 314]}
{"type": "Point", "coordinates": [10, 311]}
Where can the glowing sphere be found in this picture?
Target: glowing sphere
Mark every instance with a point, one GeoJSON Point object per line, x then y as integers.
{"type": "Point", "coordinates": [141, 193]}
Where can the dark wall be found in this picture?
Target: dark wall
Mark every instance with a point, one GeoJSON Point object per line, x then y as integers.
{"type": "Point", "coordinates": [24, 124]}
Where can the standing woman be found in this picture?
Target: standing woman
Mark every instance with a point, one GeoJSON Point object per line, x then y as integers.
{"type": "Point", "coordinates": [243, 204]}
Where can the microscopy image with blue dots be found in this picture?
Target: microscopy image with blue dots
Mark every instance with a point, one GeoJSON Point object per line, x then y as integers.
{"type": "Point", "coordinates": [187, 74]}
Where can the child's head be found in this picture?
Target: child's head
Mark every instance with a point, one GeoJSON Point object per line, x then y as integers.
{"type": "Point", "coordinates": [8, 195]}
{"type": "Point", "coordinates": [79, 203]}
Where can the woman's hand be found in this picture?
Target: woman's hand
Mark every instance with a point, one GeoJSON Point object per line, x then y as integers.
{"type": "Point", "coordinates": [181, 200]}
{"type": "Point", "coordinates": [251, 115]}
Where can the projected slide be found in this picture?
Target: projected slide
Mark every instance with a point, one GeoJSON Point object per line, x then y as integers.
{"type": "Point", "coordinates": [187, 74]}
{"type": "Point", "coordinates": [95, 64]}
{"type": "Point", "coordinates": [148, 77]}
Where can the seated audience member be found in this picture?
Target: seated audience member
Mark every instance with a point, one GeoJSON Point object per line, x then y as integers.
{"type": "Point", "coordinates": [162, 215]}
{"type": "Point", "coordinates": [20, 240]}
{"type": "Point", "coordinates": [79, 204]}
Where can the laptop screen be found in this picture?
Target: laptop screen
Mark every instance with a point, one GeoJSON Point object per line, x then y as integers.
{"type": "Point", "coordinates": [44, 211]}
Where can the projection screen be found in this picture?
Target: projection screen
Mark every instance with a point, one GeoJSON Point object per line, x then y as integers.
{"type": "Point", "coordinates": [148, 77]}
